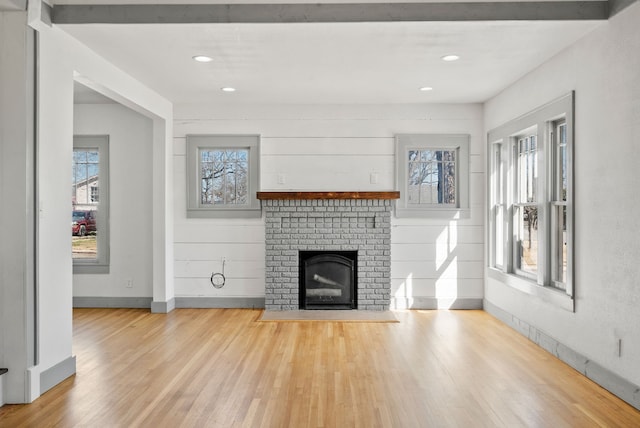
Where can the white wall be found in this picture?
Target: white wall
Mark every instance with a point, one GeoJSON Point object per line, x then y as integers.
{"type": "Point", "coordinates": [338, 147]}
{"type": "Point", "coordinates": [55, 136]}
{"type": "Point", "coordinates": [604, 70]}
{"type": "Point", "coordinates": [61, 59]}
{"type": "Point", "coordinates": [16, 206]}
{"type": "Point", "coordinates": [130, 199]}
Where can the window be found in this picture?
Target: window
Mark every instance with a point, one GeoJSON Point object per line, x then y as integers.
{"type": "Point", "coordinates": [498, 208]}
{"type": "Point", "coordinates": [531, 214]}
{"type": "Point", "coordinates": [559, 182]}
{"type": "Point", "coordinates": [526, 206]}
{"type": "Point", "coordinates": [223, 176]}
{"type": "Point", "coordinates": [95, 194]}
{"type": "Point", "coordinates": [432, 175]}
{"type": "Point", "coordinates": [90, 207]}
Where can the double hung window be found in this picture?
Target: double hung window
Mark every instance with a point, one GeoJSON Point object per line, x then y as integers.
{"type": "Point", "coordinates": [526, 206]}
{"type": "Point", "coordinates": [90, 204]}
{"type": "Point", "coordinates": [530, 202]}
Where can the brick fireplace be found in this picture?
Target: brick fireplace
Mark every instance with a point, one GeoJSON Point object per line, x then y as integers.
{"type": "Point", "coordinates": [327, 221]}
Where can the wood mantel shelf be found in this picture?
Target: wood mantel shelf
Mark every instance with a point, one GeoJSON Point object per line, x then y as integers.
{"type": "Point", "coordinates": [327, 195]}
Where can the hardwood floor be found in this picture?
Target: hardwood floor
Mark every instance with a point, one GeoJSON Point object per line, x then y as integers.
{"type": "Point", "coordinates": [223, 368]}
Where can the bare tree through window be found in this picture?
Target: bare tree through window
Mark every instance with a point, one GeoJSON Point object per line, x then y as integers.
{"type": "Point", "coordinates": [432, 177]}
{"type": "Point", "coordinates": [224, 176]}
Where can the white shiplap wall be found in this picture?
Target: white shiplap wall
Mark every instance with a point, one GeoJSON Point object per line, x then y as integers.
{"type": "Point", "coordinates": [314, 147]}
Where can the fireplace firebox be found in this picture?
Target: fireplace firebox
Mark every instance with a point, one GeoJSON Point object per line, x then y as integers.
{"type": "Point", "coordinates": [328, 279]}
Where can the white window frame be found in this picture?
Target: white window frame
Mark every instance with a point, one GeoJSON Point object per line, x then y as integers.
{"type": "Point", "coordinates": [448, 142]}
{"type": "Point", "coordinates": [99, 265]}
{"type": "Point", "coordinates": [196, 143]}
{"type": "Point", "coordinates": [519, 205]}
{"type": "Point", "coordinates": [556, 200]}
{"type": "Point", "coordinates": [502, 166]}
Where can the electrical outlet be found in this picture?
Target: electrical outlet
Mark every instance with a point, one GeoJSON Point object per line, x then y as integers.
{"type": "Point", "coordinates": [373, 178]}
{"type": "Point", "coordinates": [129, 283]}
{"type": "Point", "coordinates": [282, 178]}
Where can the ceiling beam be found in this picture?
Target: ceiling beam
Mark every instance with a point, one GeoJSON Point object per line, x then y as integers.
{"type": "Point", "coordinates": [617, 6]}
{"type": "Point", "coordinates": [325, 12]}
{"type": "Point", "coordinates": [13, 5]}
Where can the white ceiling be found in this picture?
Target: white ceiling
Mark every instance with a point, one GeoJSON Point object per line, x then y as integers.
{"type": "Point", "coordinates": [329, 62]}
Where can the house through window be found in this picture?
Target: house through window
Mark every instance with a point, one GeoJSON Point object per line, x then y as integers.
{"type": "Point", "coordinates": [89, 196]}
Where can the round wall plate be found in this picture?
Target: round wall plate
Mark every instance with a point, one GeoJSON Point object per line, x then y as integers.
{"type": "Point", "coordinates": [217, 280]}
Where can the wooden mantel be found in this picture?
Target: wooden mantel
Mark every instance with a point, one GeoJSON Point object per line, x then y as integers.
{"type": "Point", "coordinates": [327, 195]}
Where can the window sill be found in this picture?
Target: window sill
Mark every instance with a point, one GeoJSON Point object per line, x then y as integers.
{"type": "Point", "coordinates": [224, 213]}
{"type": "Point", "coordinates": [438, 213]}
{"type": "Point", "coordinates": [549, 295]}
{"type": "Point", "coordinates": [87, 268]}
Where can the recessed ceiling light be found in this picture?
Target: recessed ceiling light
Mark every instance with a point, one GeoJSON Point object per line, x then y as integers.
{"type": "Point", "coordinates": [228, 89]}
{"type": "Point", "coordinates": [450, 58]}
{"type": "Point", "coordinates": [202, 58]}
{"type": "Point", "coordinates": [426, 88]}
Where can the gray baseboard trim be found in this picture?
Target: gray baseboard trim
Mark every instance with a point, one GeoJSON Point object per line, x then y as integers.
{"type": "Point", "coordinates": [610, 381]}
{"type": "Point", "coordinates": [220, 302]}
{"type": "Point", "coordinates": [111, 302]}
{"type": "Point", "coordinates": [432, 303]}
{"type": "Point", "coordinates": [158, 307]}
{"type": "Point", "coordinates": [56, 374]}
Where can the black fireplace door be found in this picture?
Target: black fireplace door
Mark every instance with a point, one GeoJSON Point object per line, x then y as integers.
{"type": "Point", "coordinates": [327, 281]}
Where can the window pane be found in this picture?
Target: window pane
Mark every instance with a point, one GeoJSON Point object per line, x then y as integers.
{"type": "Point", "coordinates": [224, 175]}
{"type": "Point", "coordinates": [208, 167]}
{"type": "Point", "coordinates": [561, 175]}
{"type": "Point", "coordinates": [560, 252]}
{"type": "Point", "coordinates": [447, 193]}
{"type": "Point", "coordinates": [527, 169]}
{"type": "Point", "coordinates": [499, 236]}
{"type": "Point", "coordinates": [498, 209]}
{"type": "Point", "coordinates": [527, 236]}
{"type": "Point", "coordinates": [85, 199]}
{"type": "Point", "coordinates": [431, 177]}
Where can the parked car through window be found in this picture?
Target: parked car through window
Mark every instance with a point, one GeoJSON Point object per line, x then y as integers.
{"type": "Point", "coordinates": [83, 222]}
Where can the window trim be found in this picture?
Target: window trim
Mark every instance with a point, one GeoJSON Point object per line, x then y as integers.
{"type": "Point", "coordinates": [555, 201]}
{"type": "Point", "coordinates": [541, 120]}
{"type": "Point", "coordinates": [101, 264]}
{"type": "Point", "coordinates": [457, 142]}
{"type": "Point", "coordinates": [195, 143]}
{"type": "Point", "coordinates": [518, 204]}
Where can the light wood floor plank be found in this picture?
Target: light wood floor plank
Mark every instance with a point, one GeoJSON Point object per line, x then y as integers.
{"type": "Point", "coordinates": [224, 368]}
